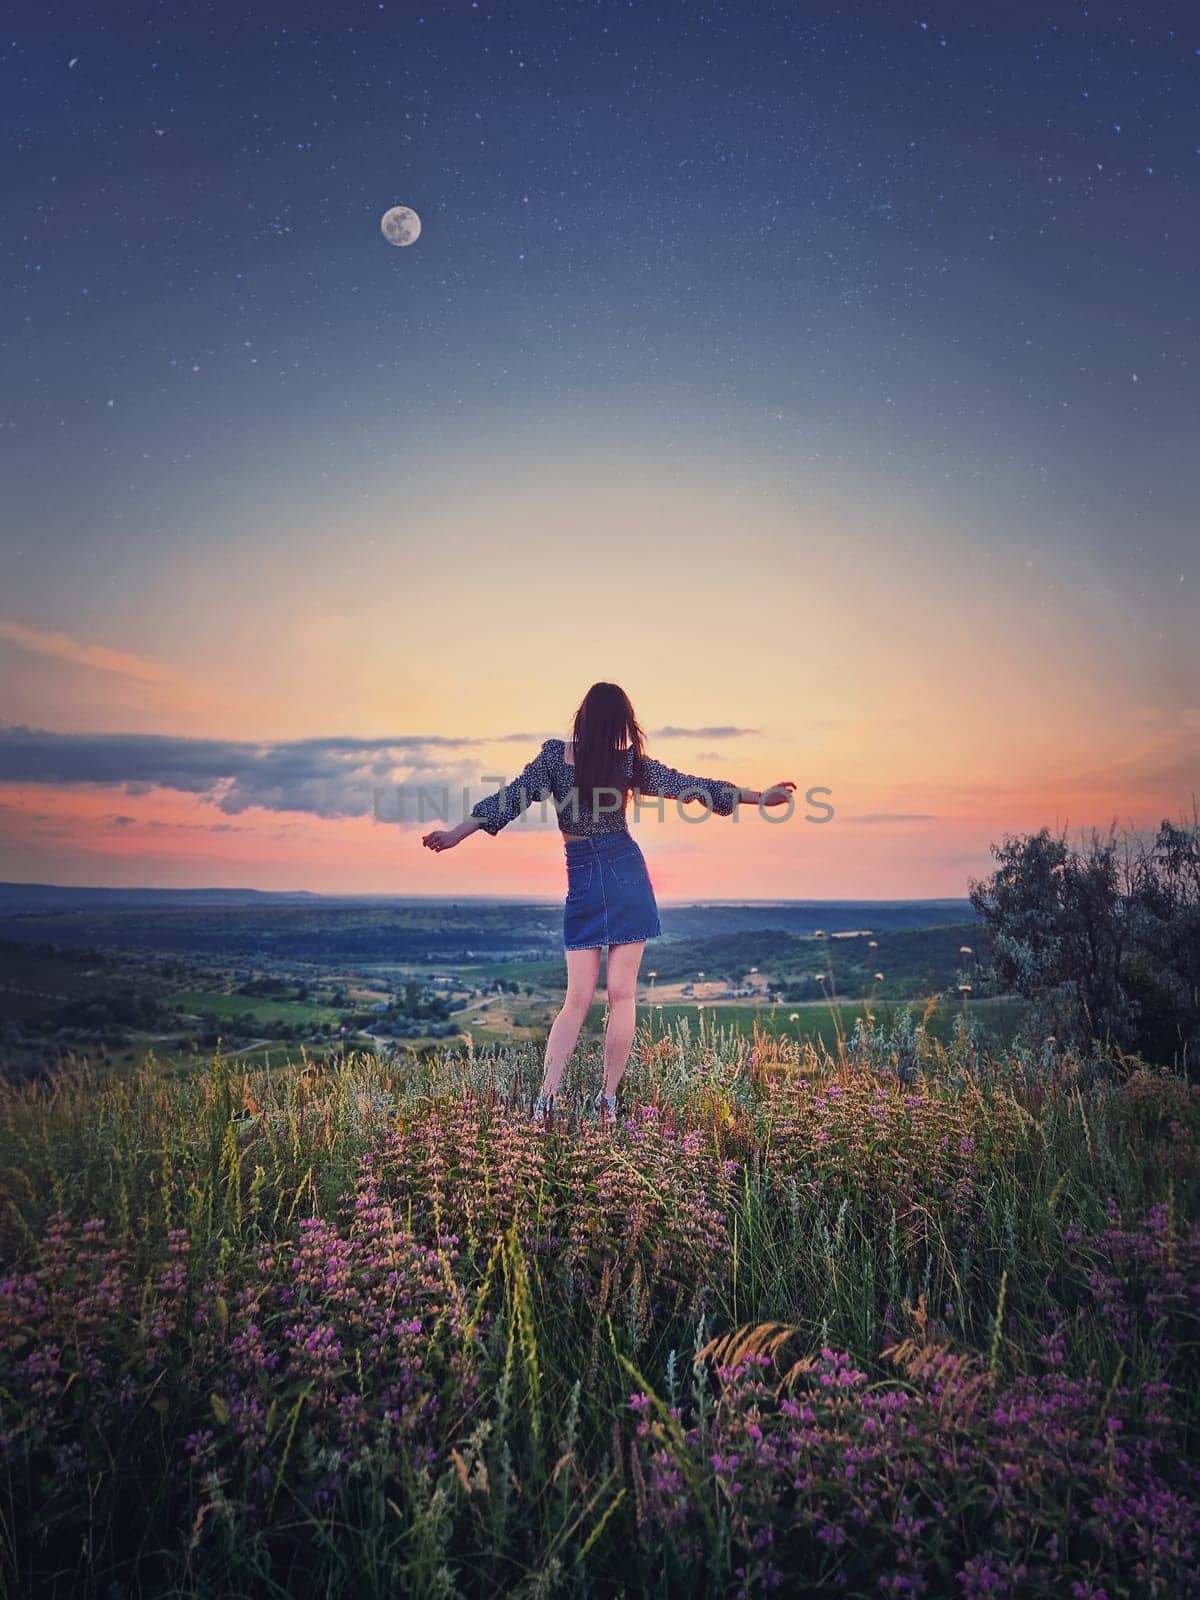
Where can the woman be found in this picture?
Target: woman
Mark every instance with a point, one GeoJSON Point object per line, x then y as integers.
{"type": "Point", "coordinates": [610, 901]}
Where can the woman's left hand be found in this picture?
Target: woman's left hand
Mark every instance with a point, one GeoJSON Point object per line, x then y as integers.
{"type": "Point", "coordinates": [441, 839]}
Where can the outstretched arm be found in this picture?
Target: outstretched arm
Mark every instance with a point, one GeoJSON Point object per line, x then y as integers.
{"type": "Point", "coordinates": [777, 795]}
{"type": "Point", "coordinates": [447, 838]}
{"type": "Point", "coordinates": [655, 777]}
{"type": "Point", "coordinates": [499, 809]}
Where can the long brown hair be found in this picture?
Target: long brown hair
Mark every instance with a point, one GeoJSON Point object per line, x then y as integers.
{"type": "Point", "coordinates": [604, 728]}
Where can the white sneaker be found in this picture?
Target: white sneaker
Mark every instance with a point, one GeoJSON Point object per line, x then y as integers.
{"type": "Point", "coordinates": [543, 1106]}
{"type": "Point", "coordinates": [605, 1106]}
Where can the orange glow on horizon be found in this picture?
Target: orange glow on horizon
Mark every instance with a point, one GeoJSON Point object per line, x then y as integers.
{"type": "Point", "coordinates": [946, 689]}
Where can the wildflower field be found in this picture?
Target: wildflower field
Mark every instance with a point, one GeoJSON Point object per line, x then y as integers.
{"type": "Point", "coordinates": [909, 1319]}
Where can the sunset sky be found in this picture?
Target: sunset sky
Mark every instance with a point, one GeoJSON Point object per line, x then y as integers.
{"type": "Point", "coordinates": [826, 376]}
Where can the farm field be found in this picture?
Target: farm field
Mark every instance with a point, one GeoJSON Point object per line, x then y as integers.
{"type": "Point", "coordinates": [501, 1021]}
{"type": "Point", "coordinates": [801, 1021]}
{"type": "Point", "coordinates": [821, 1022]}
{"type": "Point", "coordinates": [174, 977]}
{"type": "Point", "coordinates": [205, 1003]}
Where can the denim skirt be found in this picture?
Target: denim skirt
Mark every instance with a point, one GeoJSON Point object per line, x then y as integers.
{"type": "Point", "coordinates": [610, 899]}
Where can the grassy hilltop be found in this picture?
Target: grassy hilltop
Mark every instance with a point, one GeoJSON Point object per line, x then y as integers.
{"type": "Point", "coordinates": [907, 1317]}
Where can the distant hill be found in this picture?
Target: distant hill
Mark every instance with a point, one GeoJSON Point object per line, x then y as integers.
{"type": "Point", "coordinates": [16, 898]}
{"type": "Point", "coordinates": [680, 920]}
{"type": "Point", "coordinates": [806, 917]}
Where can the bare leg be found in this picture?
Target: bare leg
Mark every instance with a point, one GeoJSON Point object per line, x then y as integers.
{"type": "Point", "coordinates": [583, 969]}
{"type": "Point", "coordinates": [623, 963]}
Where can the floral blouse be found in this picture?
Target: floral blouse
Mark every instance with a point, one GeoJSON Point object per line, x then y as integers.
{"type": "Point", "coordinates": [549, 774]}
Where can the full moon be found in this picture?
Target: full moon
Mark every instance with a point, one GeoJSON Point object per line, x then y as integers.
{"type": "Point", "coordinates": [400, 225]}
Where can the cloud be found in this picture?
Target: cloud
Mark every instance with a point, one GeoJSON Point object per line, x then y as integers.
{"type": "Point", "coordinates": [98, 657]}
{"type": "Point", "coordinates": [894, 816]}
{"type": "Point", "coordinates": [158, 824]}
{"type": "Point", "coordinates": [192, 827]}
{"type": "Point", "coordinates": [22, 814]}
{"type": "Point", "coordinates": [701, 733]}
{"type": "Point", "coordinates": [324, 777]}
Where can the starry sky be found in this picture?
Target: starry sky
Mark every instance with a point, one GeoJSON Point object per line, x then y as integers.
{"type": "Point", "coordinates": [826, 375]}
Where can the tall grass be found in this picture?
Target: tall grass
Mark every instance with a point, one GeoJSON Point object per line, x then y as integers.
{"type": "Point", "coordinates": [369, 1329]}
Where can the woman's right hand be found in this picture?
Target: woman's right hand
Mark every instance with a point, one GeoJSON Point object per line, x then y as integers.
{"type": "Point", "coordinates": [779, 794]}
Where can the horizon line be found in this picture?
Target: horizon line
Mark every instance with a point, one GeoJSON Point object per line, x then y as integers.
{"type": "Point", "coordinates": [319, 894]}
